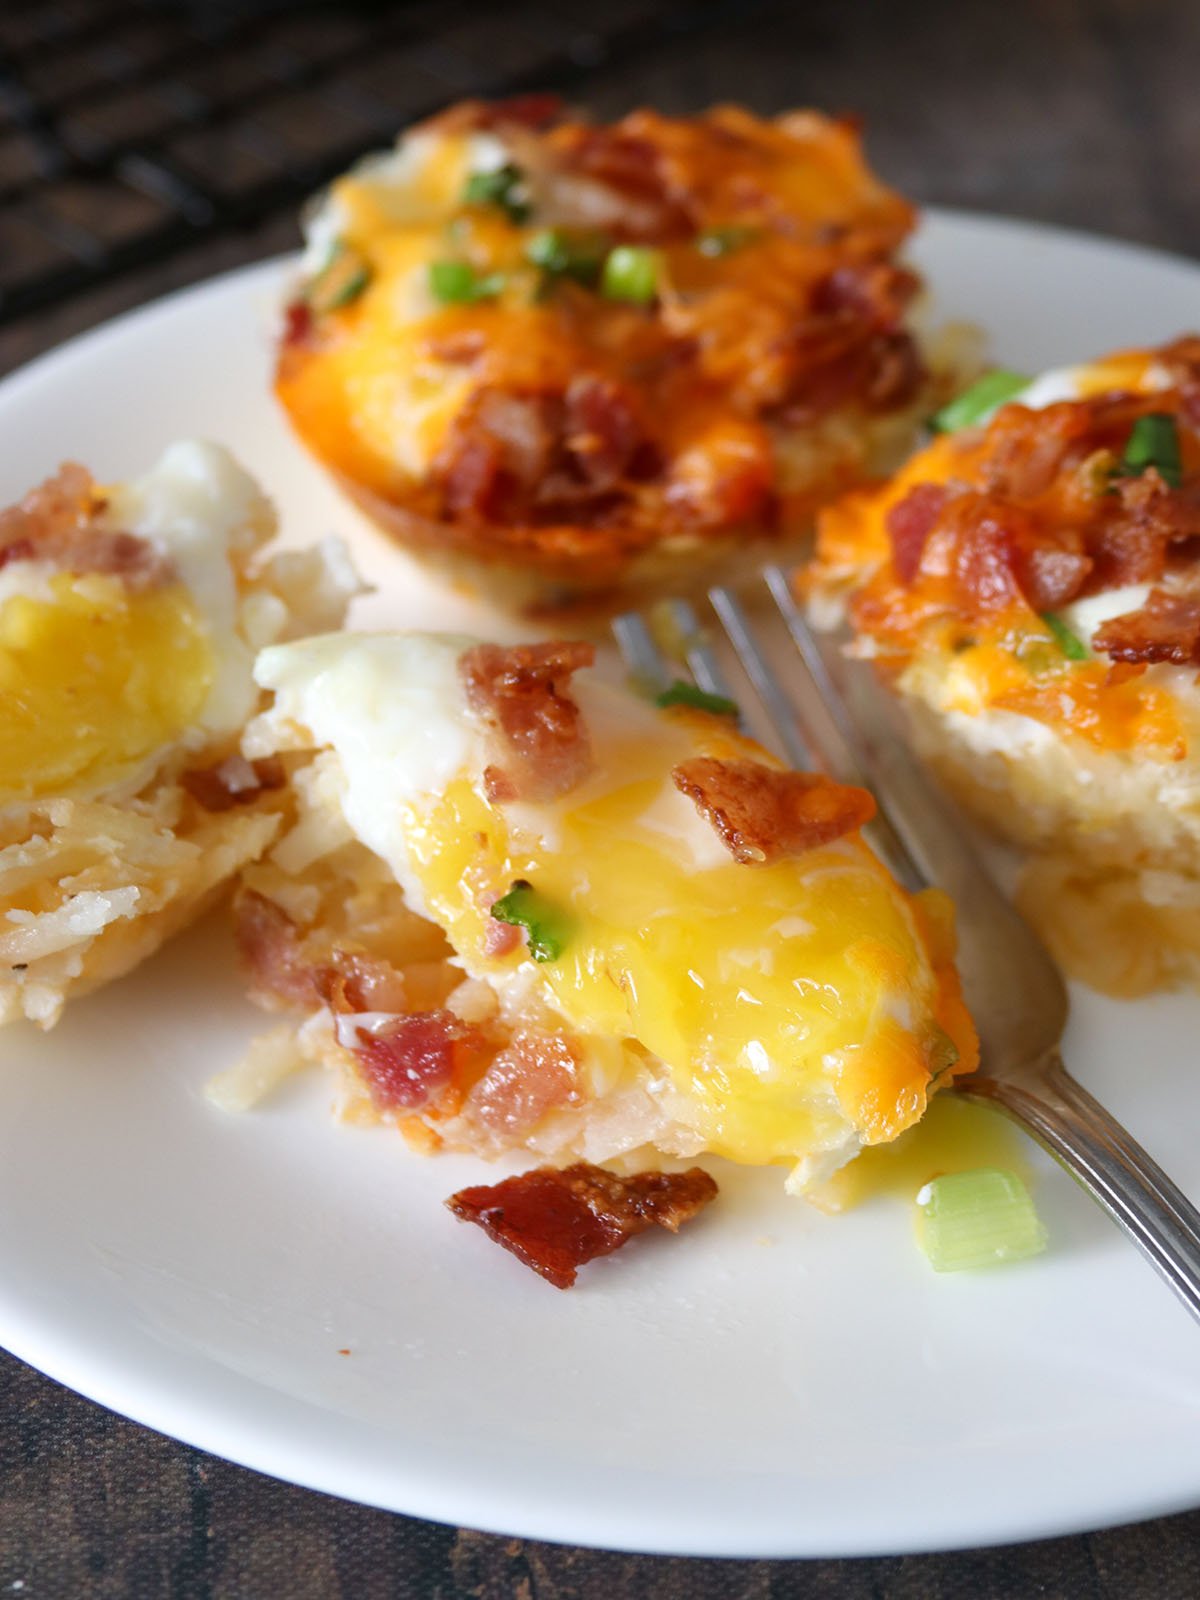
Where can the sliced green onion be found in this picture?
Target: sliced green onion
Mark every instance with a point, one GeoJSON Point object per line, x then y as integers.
{"type": "Point", "coordinates": [342, 279]}
{"type": "Point", "coordinates": [458, 283]}
{"type": "Point", "coordinates": [568, 253]}
{"type": "Point", "coordinates": [687, 694]}
{"type": "Point", "coordinates": [976, 1219]}
{"type": "Point", "coordinates": [546, 925]}
{"type": "Point", "coordinates": [1071, 645]}
{"type": "Point", "coordinates": [1154, 442]}
{"type": "Point", "coordinates": [714, 242]}
{"type": "Point", "coordinates": [631, 273]}
{"type": "Point", "coordinates": [500, 186]}
{"type": "Point", "coordinates": [977, 403]}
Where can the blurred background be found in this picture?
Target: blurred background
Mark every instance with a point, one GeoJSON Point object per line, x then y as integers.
{"type": "Point", "coordinates": [147, 143]}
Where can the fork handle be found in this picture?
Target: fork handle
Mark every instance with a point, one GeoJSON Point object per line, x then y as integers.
{"type": "Point", "coordinates": [1097, 1151]}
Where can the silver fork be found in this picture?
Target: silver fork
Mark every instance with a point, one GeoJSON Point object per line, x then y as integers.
{"type": "Point", "coordinates": [813, 702]}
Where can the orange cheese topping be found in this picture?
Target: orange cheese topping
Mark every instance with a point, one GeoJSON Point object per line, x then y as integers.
{"type": "Point", "coordinates": [776, 303]}
{"type": "Point", "coordinates": [954, 565]}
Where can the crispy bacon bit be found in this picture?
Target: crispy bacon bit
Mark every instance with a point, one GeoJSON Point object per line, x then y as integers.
{"type": "Point", "coordinates": [498, 786]}
{"type": "Point", "coordinates": [1166, 628]}
{"type": "Point", "coordinates": [269, 944]}
{"type": "Point", "coordinates": [909, 524]}
{"type": "Point", "coordinates": [282, 974]}
{"type": "Point", "coordinates": [541, 736]}
{"type": "Point", "coordinates": [56, 523]}
{"type": "Point", "coordinates": [19, 549]}
{"type": "Point", "coordinates": [412, 1060]}
{"type": "Point", "coordinates": [297, 322]}
{"type": "Point", "coordinates": [765, 814]}
{"type": "Point", "coordinates": [556, 1221]}
{"type": "Point", "coordinates": [601, 433]}
{"type": "Point", "coordinates": [852, 344]}
{"type": "Point", "coordinates": [631, 166]}
{"type": "Point", "coordinates": [1049, 576]}
{"type": "Point", "coordinates": [233, 782]}
{"type": "Point", "coordinates": [999, 556]}
{"type": "Point", "coordinates": [535, 1073]}
{"type": "Point", "coordinates": [521, 454]}
{"type": "Point", "coordinates": [535, 110]}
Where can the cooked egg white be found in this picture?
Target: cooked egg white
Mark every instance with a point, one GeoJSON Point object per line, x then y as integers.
{"type": "Point", "coordinates": [789, 1012]}
{"type": "Point", "coordinates": [102, 683]}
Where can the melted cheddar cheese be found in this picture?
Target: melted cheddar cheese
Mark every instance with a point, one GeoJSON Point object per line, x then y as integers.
{"type": "Point", "coordinates": [784, 1013]}
{"type": "Point", "coordinates": [948, 640]}
{"type": "Point", "coordinates": [776, 305]}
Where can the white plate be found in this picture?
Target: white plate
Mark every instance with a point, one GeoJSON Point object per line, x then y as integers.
{"type": "Point", "coordinates": [775, 1382]}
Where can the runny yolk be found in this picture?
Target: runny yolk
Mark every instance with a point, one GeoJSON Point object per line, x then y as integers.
{"type": "Point", "coordinates": [785, 1001]}
{"type": "Point", "coordinates": [93, 681]}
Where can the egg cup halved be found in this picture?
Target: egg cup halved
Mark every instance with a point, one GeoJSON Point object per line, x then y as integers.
{"type": "Point", "coordinates": [521, 908]}
{"type": "Point", "coordinates": [1028, 583]}
{"type": "Point", "coordinates": [129, 618]}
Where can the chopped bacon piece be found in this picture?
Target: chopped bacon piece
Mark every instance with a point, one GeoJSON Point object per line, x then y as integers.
{"type": "Point", "coordinates": [1172, 514]}
{"type": "Point", "coordinates": [541, 736]}
{"type": "Point", "coordinates": [1050, 576]}
{"type": "Point", "coordinates": [985, 544]}
{"type": "Point", "coordinates": [297, 322]}
{"type": "Point", "coordinates": [513, 454]}
{"type": "Point", "coordinates": [1026, 450]}
{"type": "Point", "coordinates": [55, 510]}
{"type": "Point", "coordinates": [765, 814]}
{"type": "Point", "coordinates": [281, 974]}
{"type": "Point", "coordinates": [233, 782]}
{"type": "Point", "coordinates": [268, 942]}
{"type": "Point", "coordinates": [910, 522]}
{"type": "Point", "coordinates": [56, 523]}
{"type": "Point", "coordinates": [1166, 628]}
{"type": "Point", "coordinates": [535, 1073]}
{"type": "Point", "coordinates": [602, 433]}
{"type": "Point", "coordinates": [632, 167]}
{"type": "Point", "coordinates": [556, 1221]}
{"type": "Point", "coordinates": [19, 549]}
{"type": "Point", "coordinates": [411, 1060]}
{"type": "Point", "coordinates": [534, 110]}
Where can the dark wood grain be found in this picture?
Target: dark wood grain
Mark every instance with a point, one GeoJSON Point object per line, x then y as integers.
{"type": "Point", "coordinates": [1081, 112]}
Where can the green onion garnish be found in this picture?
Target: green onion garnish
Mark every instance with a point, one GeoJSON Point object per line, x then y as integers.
{"type": "Point", "coordinates": [567, 253]}
{"type": "Point", "coordinates": [687, 694]}
{"type": "Point", "coordinates": [977, 1219]}
{"type": "Point", "coordinates": [501, 186]}
{"type": "Point", "coordinates": [631, 273]}
{"type": "Point", "coordinates": [977, 403]}
{"type": "Point", "coordinates": [342, 279]}
{"type": "Point", "coordinates": [1154, 442]}
{"type": "Point", "coordinates": [458, 283]}
{"type": "Point", "coordinates": [716, 242]}
{"type": "Point", "coordinates": [1071, 645]}
{"type": "Point", "coordinates": [546, 926]}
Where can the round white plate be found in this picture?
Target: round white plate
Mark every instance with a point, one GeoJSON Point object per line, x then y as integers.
{"type": "Point", "coordinates": [775, 1382]}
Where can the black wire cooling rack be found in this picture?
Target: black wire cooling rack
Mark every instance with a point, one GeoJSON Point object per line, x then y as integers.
{"type": "Point", "coordinates": [130, 129]}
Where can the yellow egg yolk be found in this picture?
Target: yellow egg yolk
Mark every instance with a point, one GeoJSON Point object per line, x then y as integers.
{"type": "Point", "coordinates": [783, 1000]}
{"type": "Point", "coordinates": [94, 680]}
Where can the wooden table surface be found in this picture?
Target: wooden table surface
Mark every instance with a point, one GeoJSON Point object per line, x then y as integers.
{"type": "Point", "coordinates": [1082, 112]}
